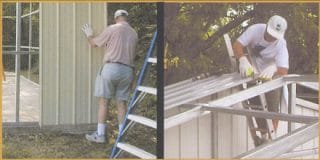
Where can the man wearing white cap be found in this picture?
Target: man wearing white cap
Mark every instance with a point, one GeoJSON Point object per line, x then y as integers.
{"type": "Point", "coordinates": [269, 57]}
{"type": "Point", "coordinates": [115, 77]}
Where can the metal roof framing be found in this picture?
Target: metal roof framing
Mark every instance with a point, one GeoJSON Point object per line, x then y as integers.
{"type": "Point", "coordinates": [186, 92]}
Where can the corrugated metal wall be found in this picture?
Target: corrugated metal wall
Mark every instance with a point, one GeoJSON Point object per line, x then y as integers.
{"type": "Point", "coordinates": [68, 65]}
{"type": "Point", "coordinates": [213, 135]}
{"type": "Point", "coordinates": [219, 135]}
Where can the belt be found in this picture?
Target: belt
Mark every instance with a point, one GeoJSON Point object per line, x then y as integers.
{"type": "Point", "coordinates": [119, 63]}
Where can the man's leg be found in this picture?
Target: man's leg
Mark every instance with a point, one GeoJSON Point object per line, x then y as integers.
{"type": "Point", "coordinates": [102, 116]}
{"type": "Point", "coordinates": [99, 135]}
{"type": "Point", "coordinates": [273, 101]}
{"type": "Point", "coordinates": [122, 110]}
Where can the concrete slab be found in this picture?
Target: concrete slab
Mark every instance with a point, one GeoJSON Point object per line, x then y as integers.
{"type": "Point", "coordinates": [29, 99]}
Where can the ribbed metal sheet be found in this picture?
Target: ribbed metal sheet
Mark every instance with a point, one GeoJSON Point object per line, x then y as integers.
{"type": "Point", "coordinates": [68, 65]}
{"type": "Point", "coordinates": [188, 92]}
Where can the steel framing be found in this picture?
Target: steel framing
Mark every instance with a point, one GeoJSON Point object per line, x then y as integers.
{"type": "Point", "coordinates": [213, 85]}
{"type": "Point", "coordinates": [17, 52]}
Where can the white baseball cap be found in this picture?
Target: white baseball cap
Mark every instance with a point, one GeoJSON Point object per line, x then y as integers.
{"type": "Point", "coordinates": [277, 26]}
{"type": "Point", "coordinates": [120, 12]}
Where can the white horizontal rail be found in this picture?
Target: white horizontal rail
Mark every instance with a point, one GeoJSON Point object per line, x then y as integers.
{"type": "Point", "coordinates": [152, 60]}
{"type": "Point", "coordinates": [213, 88]}
{"type": "Point", "coordinates": [311, 85]}
{"type": "Point", "coordinates": [31, 13]}
{"type": "Point", "coordinates": [9, 17]}
{"type": "Point", "coordinates": [262, 114]}
{"type": "Point", "coordinates": [143, 120]}
{"type": "Point", "coordinates": [184, 117]}
{"type": "Point", "coordinates": [300, 153]}
{"type": "Point", "coordinates": [136, 151]}
{"type": "Point", "coordinates": [307, 104]}
{"type": "Point", "coordinates": [280, 145]}
{"type": "Point", "coordinates": [186, 84]}
{"type": "Point", "coordinates": [248, 93]}
{"type": "Point", "coordinates": [147, 90]}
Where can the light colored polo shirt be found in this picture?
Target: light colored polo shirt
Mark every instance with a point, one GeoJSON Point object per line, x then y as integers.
{"type": "Point", "coordinates": [269, 52]}
{"type": "Point", "coordinates": [119, 41]}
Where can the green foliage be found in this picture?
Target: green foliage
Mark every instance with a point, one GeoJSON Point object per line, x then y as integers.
{"type": "Point", "coordinates": [194, 34]}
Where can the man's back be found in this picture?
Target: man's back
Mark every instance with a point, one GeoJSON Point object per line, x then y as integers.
{"type": "Point", "coordinates": [120, 41]}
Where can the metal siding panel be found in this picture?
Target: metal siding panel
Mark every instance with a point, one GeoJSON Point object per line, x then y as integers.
{"type": "Point", "coordinates": [205, 137]}
{"type": "Point", "coordinates": [189, 139]}
{"type": "Point", "coordinates": [239, 137]}
{"type": "Point", "coordinates": [224, 132]}
{"type": "Point", "coordinates": [171, 142]}
{"type": "Point", "coordinates": [97, 21]}
{"type": "Point", "coordinates": [66, 63]}
{"type": "Point", "coordinates": [49, 52]}
{"type": "Point", "coordinates": [298, 111]}
{"type": "Point", "coordinates": [310, 144]}
{"type": "Point", "coordinates": [69, 67]}
{"type": "Point", "coordinates": [82, 65]}
{"type": "Point", "coordinates": [225, 136]}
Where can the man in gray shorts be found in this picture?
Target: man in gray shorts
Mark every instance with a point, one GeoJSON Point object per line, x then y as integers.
{"type": "Point", "coordinates": [115, 77]}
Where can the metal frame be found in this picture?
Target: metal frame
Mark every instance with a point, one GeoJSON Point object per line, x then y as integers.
{"type": "Point", "coordinates": [17, 52]}
{"type": "Point", "coordinates": [224, 105]}
{"type": "Point", "coordinates": [278, 146]}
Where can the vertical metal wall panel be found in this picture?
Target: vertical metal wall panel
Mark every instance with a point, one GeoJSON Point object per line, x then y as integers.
{"type": "Point", "coordinates": [48, 57]}
{"type": "Point", "coordinates": [68, 64]}
{"type": "Point", "coordinates": [98, 21]}
{"type": "Point", "coordinates": [189, 139]}
{"type": "Point", "coordinates": [205, 136]}
{"type": "Point", "coordinates": [82, 78]}
{"type": "Point", "coordinates": [172, 139]}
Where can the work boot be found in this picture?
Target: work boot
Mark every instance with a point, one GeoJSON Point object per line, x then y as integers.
{"type": "Point", "coordinates": [94, 137]}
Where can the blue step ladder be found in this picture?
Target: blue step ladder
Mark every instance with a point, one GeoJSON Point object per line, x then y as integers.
{"type": "Point", "coordinates": [130, 119]}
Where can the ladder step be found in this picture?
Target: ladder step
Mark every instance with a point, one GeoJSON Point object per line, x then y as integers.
{"type": "Point", "coordinates": [143, 120]}
{"type": "Point", "coordinates": [147, 90]}
{"type": "Point", "coordinates": [152, 60]}
{"type": "Point", "coordinates": [135, 151]}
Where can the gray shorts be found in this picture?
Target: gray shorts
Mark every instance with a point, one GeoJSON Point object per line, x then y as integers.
{"type": "Point", "coordinates": [114, 80]}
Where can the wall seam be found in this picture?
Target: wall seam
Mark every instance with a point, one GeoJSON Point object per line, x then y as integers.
{"type": "Point", "coordinates": [58, 65]}
{"type": "Point", "coordinates": [89, 78]}
{"type": "Point", "coordinates": [74, 64]}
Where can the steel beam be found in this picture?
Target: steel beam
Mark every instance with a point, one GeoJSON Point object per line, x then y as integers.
{"type": "Point", "coordinates": [31, 13]}
{"type": "Point", "coordinates": [248, 93]}
{"type": "Point", "coordinates": [184, 117]}
{"type": "Point", "coordinates": [218, 86]}
{"type": "Point", "coordinates": [300, 78]}
{"type": "Point", "coordinates": [17, 70]}
{"type": "Point", "coordinates": [307, 104]}
{"type": "Point", "coordinates": [300, 153]}
{"type": "Point", "coordinates": [261, 114]}
{"type": "Point", "coordinates": [30, 42]}
{"type": "Point", "coordinates": [283, 144]}
{"type": "Point", "coordinates": [185, 84]}
{"type": "Point", "coordinates": [19, 52]}
{"type": "Point", "coordinates": [311, 85]}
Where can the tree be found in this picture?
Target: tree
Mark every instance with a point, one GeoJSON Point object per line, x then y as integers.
{"type": "Point", "coordinates": [193, 35]}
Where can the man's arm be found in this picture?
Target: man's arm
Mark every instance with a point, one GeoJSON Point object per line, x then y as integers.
{"type": "Point", "coordinates": [91, 42]}
{"type": "Point", "coordinates": [282, 71]}
{"type": "Point", "coordinates": [238, 49]}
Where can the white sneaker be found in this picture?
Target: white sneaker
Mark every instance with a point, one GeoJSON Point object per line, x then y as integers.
{"type": "Point", "coordinates": [94, 137]}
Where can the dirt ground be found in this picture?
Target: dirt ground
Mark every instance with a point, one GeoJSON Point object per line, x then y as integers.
{"type": "Point", "coordinates": [51, 145]}
{"type": "Point", "coordinates": [37, 143]}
